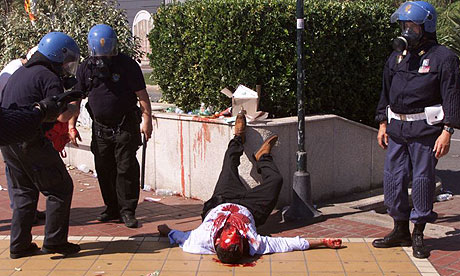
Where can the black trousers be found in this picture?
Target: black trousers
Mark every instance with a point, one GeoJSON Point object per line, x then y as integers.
{"type": "Point", "coordinates": [116, 164]}
{"type": "Point", "coordinates": [260, 200]}
{"type": "Point", "coordinates": [33, 168]}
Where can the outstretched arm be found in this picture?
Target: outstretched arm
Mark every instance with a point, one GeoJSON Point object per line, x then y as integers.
{"type": "Point", "coordinates": [280, 244]}
{"type": "Point", "coordinates": [175, 236]}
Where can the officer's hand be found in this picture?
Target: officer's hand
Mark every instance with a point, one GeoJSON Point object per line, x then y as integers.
{"type": "Point", "coordinates": [382, 136]}
{"type": "Point", "coordinates": [74, 135]}
{"type": "Point", "coordinates": [147, 128]}
{"type": "Point", "coordinates": [50, 108]}
{"type": "Point", "coordinates": [442, 144]}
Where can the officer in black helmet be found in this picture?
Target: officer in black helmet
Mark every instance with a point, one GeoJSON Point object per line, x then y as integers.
{"type": "Point", "coordinates": [115, 85]}
{"type": "Point", "coordinates": [418, 110]}
{"type": "Point", "coordinates": [35, 166]}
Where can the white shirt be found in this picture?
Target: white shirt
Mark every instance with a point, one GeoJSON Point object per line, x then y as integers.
{"type": "Point", "coordinates": [201, 240]}
{"type": "Point", "coordinates": [5, 74]}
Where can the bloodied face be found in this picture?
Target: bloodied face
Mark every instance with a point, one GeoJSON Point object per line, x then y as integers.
{"type": "Point", "coordinates": [230, 236]}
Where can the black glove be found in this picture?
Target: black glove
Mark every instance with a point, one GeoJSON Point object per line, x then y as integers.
{"type": "Point", "coordinates": [50, 108]}
{"type": "Point", "coordinates": [53, 106]}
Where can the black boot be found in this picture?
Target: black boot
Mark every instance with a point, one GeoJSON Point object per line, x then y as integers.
{"type": "Point", "coordinates": [400, 236]}
{"type": "Point", "coordinates": [418, 248]}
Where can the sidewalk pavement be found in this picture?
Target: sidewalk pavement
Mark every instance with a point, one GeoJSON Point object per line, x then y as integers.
{"type": "Point", "coordinates": [112, 249]}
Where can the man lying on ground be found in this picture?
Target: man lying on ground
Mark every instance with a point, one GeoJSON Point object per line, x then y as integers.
{"type": "Point", "coordinates": [232, 214]}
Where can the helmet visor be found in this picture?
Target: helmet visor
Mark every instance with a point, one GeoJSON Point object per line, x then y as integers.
{"type": "Point", "coordinates": [411, 11]}
{"type": "Point", "coordinates": [102, 47]}
{"type": "Point", "coordinates": [70, 64]}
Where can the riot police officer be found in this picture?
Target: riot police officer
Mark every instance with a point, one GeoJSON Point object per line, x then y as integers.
{"type": "Point", "coordinates": [35, 166]}
{"type": "Point", "coordinates": [115, 84]}
{"type": "Point", "coordinates": [418, 108]}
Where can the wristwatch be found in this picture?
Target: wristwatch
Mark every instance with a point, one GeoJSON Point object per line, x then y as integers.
{"type": "Point", "coordinates": [449, 129]}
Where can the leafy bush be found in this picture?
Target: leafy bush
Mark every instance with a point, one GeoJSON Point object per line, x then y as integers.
{"type": "Point", "coordinates": [202, 46]}
{"type": "Point", "coordinates": [449, 28]}
{"type": "Point", "coordinates": [75, 18]}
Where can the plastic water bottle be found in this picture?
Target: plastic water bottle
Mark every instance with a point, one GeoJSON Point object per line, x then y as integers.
{"type": "Point", "coordinates": [147, 188]}
{"type": "Point", "coordinates": [444, 197]}
{"type": "Point", "coordinates": [83, 168]}
{"type": "Point", "coordinates": [163, 192]}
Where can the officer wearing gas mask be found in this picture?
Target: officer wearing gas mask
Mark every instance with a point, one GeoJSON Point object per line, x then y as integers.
{"type": "Point", "coordinates": [115, 85]}
{"type": "Point", "coordinates": [418, 110]}
{"type": "Point", "coordinates": [35, 166]}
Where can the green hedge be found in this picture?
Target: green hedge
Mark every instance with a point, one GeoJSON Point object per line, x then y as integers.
{"type": "Point", "coordinates": [202, 46]}
{"type": "Point", "coordinates": [75, 18]}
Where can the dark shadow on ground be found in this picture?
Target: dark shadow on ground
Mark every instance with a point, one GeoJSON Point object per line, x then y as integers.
{"type": "Point", "coordinates": [115, 247]}
{"type": "Point", "coordinates": [450, 180]}
{"type": "Point", "coordinates": [449, 243]}
{"type": "Point", "coordinates": [275, 223]}
{"type": "Point", "coordinates": [146, 212]}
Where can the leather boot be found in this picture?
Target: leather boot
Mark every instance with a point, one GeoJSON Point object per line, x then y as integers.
{"type": "Point", "coordinates": [418, 248]}
{"type": "Point", "coordinates": [240, 125]}
{"type": "Point", "coordinates": [400, 236]}
{"type": "Point", "coordinates": [266, 147]}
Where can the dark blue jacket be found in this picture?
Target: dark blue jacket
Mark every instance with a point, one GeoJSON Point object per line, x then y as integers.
{"type": "Point", "coordinates": [426, 76]}
{"type": "Point", "coordinates": [18, 125]}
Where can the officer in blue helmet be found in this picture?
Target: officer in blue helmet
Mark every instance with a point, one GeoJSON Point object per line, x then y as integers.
{"type": "Point", "coordinates": [418, 110]}
{"type": "Point", "coordinates": [35, 166]}
{"type": "Point", "coordinates": [115, 85]}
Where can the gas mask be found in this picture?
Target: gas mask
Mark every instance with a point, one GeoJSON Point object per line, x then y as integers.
{"type": "Point", "coordinates": [69, 82]}
{"type": "Point", "coordinates": [409, 38]}
{"type": "Point", "coordinates": [100, 67]}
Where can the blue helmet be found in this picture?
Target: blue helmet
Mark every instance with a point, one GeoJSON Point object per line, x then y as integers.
{"type": "Point", "coordinates": [419, 12]}
{"type": "Point", "coordinates": [62, 49]}
{"type": "Point", "coordinates": [102, 41]}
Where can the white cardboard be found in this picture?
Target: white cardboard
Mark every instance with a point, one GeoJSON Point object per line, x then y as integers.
{"type": "Point", "coordinates": [245, 98]}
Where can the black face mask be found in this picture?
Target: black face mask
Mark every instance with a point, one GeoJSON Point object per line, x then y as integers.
{"type": "Point", "coordinates": [100, 67]}
{"type": "Point", "coordinates": [69, 82]}
{"type": "Point", "coordinates": [407, 41]}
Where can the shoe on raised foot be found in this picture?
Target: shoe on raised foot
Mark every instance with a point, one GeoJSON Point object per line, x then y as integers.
{"type": "Point", "coordinates": [105, 216]}
{"type": "Point", "coordinates": [240, 125]}
{"type": "Point", "coordinates": [400, 236]}
{"type": "Point", "coordinates": [129, 220]}
{"type": "Point", "coordinates": [266, 147]}
{"type": "Point", "coordinates": [63, 249]}
{"type": "Point", "coordinates": [30, 251]}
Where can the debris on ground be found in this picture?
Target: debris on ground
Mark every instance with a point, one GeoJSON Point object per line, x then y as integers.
{"type": "Point", "coordinates": [151, 199]}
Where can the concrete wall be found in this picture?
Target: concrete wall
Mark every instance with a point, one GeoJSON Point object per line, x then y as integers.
{"type": "Point", "coordinates": [185, 154]}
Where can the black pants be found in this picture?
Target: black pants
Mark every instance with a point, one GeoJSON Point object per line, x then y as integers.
{"type": "Point", "coordinates": [260, 200]}
{"type": "Point", "coordinates": [116, 164]}
{"type": "Point", "coordinates": [36, 168]}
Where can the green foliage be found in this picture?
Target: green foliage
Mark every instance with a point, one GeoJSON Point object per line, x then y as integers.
{"type": "Point", "coordinates": [449, 31]}
{"type": "Point", "coordinates": [75, 18]}
{"type": "Point", "coordinates": [202, 46]}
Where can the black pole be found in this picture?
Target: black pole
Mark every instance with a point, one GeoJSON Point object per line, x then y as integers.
{"type": "Point", "coordinates": [301, 203]}
{"type": "Point", "coordinates": [144, 147]}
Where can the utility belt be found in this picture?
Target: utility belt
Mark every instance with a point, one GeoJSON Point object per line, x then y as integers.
{"type": "Point", "coordinates": [432, 114]}
{"type": "Point", "coordinates": [131, 117]}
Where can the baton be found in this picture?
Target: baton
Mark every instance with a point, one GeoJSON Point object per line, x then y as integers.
{"type": "Point", "coordinates": [144, 147]}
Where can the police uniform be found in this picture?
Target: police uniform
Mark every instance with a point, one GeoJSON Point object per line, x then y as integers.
{"type": "Point", "coordinates": [36, 166]}
{"type": "Point", "coordinates": [426, 76]}
{"type": "Point", "coordinates": [16, 125]}
{"type": "Point", "coordinates": [112, 104]}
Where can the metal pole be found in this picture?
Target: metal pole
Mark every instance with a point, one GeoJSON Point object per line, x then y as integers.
{"type": "Point", "coordinates": [301, 204]}
{"type": "Point", "coordinates": [144, 147]}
